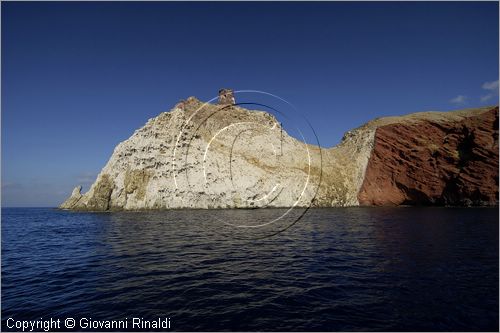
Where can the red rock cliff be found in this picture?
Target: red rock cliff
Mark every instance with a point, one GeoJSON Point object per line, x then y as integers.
{"type": "Point", "coordinates": [434, 161]}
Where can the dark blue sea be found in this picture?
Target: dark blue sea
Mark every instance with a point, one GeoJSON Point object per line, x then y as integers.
{"type": "Point", "coordinates": [342, 269]}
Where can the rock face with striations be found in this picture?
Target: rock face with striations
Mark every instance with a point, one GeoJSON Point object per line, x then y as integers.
{"type": "Point", "coordinates": [434, 159]}
{"type": "Point", "coordinates": [202, 155]}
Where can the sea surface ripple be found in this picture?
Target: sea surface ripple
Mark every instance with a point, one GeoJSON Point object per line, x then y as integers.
{"type": "Point", "coordinates": [347, 269]}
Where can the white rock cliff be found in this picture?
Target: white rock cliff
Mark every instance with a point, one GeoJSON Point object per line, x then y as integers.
{"type": "Point", "coordinates": [202, 155]}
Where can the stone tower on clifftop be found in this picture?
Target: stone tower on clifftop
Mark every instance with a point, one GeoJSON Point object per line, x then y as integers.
{"type": "Point", "coordinates": [226, 97]}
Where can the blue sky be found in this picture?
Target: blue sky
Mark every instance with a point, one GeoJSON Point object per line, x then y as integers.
{"type": "Point", "coordinates": [78, 78]}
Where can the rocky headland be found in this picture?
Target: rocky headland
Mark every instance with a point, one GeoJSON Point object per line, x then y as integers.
{"type": "Point", "coordinates": [202, 155]}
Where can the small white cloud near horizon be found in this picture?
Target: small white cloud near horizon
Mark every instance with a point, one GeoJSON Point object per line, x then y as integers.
{"type": "Point", "coordinates": [492, 88]}
{"type": "Point", "coordinates": [86, 179]}
{"type": "Point", "coordinates": [460, 99]}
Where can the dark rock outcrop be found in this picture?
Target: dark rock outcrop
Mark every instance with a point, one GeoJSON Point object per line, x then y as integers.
{"type": "Point", "coordinates": [226, 97]}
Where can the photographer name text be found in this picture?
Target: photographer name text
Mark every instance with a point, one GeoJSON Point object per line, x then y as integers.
{"type": "Point", "coordinates": [56, 324]}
